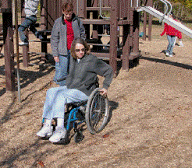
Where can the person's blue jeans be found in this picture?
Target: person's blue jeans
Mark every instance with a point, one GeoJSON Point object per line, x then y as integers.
{"type": "Point", "coordinates": [28, 22]}
{"type": "Point", "coordinates": [61, 69]}
{"type": "Point", "coordinates": [171, 40]}
{"type": "Point", "coordinates": [56, 99]}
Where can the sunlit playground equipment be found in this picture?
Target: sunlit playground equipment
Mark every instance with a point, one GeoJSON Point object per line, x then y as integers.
{"type": "Point", "coordinates": [122, 19]}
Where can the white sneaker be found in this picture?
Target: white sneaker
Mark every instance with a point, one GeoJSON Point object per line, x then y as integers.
{"type": "Point", "coordinates": [46, 131]}
{"type": "Point", "coordinates": [170, 55]}
{"type": "Point", "coordinates": [23, 43]}
{"type": "Point", "coordinates": [58, 134]}
{"type": "Point", "coordinates": [167, 54]}
{"type": "Point", "coordinates": [181, 44]}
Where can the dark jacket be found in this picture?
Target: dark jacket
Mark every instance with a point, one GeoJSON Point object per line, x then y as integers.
{"type": "Point", "coordinates": [83, 75]}
{"type": "Point", "coordinates": [59, 34]}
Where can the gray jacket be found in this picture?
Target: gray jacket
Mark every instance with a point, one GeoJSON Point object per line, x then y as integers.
{"type": "Point", "coordinates": [59, 34]}
{"type": "Point", "coordinates": [31, 7]}
{"type": "Point", "coordinates": [83, 75]}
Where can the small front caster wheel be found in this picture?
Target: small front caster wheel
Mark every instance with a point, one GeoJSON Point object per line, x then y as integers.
{"type": "Point", "coordinates": [78, 137]}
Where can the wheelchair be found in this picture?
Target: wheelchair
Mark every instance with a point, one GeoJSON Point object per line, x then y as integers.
{"type": "Point", "coordinates": [94, 113]}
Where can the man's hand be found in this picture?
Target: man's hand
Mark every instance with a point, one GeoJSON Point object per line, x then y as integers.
{"type": "Point", "coordinates": [103, 92]}
{"type": "Point", "coordinates": [56, 58]}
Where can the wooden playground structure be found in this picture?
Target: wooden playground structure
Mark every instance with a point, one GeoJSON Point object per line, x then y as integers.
{"type": "Point", "coordinates": [123, 21]}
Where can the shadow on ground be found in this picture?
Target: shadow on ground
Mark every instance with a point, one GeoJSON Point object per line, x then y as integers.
{"type": "Point", "coordinates": [27, 76]}
{"type": "Point", "coordinates": [185, 66]}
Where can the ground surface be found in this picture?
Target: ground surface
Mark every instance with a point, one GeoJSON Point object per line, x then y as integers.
{"type": "Point", "coordinates": [150, 126]}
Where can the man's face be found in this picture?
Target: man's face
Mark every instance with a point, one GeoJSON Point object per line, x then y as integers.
{"type": "Point", "coordinates": [67, 15]}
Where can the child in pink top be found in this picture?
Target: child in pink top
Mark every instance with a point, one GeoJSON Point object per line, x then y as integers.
{"type": "Point", "coordinates": [171, 33]}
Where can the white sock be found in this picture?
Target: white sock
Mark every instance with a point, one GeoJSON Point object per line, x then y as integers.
{"type": "Point", "coordinates": [60, 122]}
{"type": "Point", "coordinates": [48, 122]}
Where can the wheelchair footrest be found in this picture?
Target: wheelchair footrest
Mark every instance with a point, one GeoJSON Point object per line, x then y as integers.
{"type": "Point", "coordinates": [63, 141]}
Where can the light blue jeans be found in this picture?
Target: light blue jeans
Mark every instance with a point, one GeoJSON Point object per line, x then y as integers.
{"type": "Point", "coordinates": [171, 40]}
{"type": "Point", "coordinates": [61, 69]}
{"type": "Point", "coordinates": [28, 22]}
{"type": "Point", "coordinates": [56, 99]}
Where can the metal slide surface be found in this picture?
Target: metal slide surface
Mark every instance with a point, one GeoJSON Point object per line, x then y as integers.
{"type": "Point", "coordinates": [164, 18]}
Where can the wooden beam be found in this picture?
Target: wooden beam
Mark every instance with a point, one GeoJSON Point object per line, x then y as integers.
{"type": "Point", "coordinates": [97, 8]}
{"type": "Point", "coordinates": [102, 55]}
{"type": "Point", "coordinates": [103, 22]}
{"type": "Point", "coordinates": [134, 55]}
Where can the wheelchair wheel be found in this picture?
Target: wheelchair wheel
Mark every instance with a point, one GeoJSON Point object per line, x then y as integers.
{"type": "Point", "coordinates": [97, 112]}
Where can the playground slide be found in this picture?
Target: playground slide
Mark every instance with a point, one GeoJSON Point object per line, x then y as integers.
{"type": "Point", "coordinates": [182, 28]}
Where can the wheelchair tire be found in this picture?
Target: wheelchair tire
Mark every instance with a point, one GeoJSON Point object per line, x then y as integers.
{"type": "Point", "coordinates": [97, 112]}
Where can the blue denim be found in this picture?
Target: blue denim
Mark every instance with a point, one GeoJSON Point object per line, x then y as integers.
{"type": "Point", "coordinates": [61, 69]}
{"type": "Point", "coordinates": [28, 22]}
{"type": "Point", "coordinates": [56, 99]}
{"type": "Point", "coordinates": [171, 40]}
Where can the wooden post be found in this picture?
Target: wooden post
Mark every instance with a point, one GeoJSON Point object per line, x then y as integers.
{"type": "Point", "coordinates": [8, 50]}
{"type": "Point", "coordinates": [150, 27]}
{"type": "Point", "coordinates": [136, 33]}
{"type": "Point", "coordinates": [135, 40]}
{"type": "Point", "coordinates": [44, 26]}
{"type": "Point", "coordinates": [82, 9]}
{"type": "Point", "coordinates": [126, 38]}
{"type": "Point", "coordinates": [123, 9]}
{"type": "Point", "coordinates": [150, 3]}
{"type": "Point", "coordinates": [126, 47]}
{"type": "Point", "coordinates": [131, 29]}
{"type": "Point", "coordinates": [43, 14]}
{"type": "Point", "coordinates": [113, 35]}
{"type": "Point", "coordinates": [95, 16]}
{"type": "Point", "coordinates": [25, 48]}
{"type": "Point", "coordinates": [144, 25]}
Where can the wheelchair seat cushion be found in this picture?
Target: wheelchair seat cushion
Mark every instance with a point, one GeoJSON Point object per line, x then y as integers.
{"type": "Point", "coordinates": [77, 104]}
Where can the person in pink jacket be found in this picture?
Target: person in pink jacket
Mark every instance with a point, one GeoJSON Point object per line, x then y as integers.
{"type": "Point", "coordinates": [171, 36]}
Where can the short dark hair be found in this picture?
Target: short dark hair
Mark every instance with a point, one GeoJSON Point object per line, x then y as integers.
{"type": "Point", "coordinates": [80, 41]}
{"type": "Point", "coordinates": [67, 6]}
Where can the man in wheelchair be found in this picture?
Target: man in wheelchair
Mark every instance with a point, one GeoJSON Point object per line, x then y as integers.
{"type": "Point", "coordinates": [81, 81]}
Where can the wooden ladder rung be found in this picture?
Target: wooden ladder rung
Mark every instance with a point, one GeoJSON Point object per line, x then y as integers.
{"type": "Point", "coordinates": [96, 21]}
{"type": "Point", "coordinates": [40, 41]}
{"type": "Point", "coordinates": [98, 8]}
{"type": "Point", "coordinates": [105, 45]}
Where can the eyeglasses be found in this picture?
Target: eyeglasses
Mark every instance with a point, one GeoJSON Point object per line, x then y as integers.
{"type": "Point", "coordinates": [67, 13]}
{"type": "Point", "coordinates": [78, 50]}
